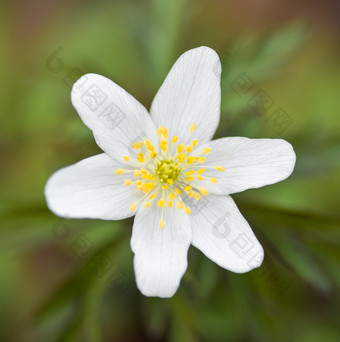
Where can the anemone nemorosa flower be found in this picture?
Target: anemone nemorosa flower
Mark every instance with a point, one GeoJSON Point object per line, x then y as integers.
{"type": "Point", "coordinates": [164, 168]}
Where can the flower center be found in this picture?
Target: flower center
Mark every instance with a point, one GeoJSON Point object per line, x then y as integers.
{"type": "Point", "coordinates": [167, 170]}
{"type": "Point", "coordinates": [172, 175]}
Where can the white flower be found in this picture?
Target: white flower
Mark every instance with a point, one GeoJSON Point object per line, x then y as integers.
{"type": "Point", "coordinates": [164, 169]}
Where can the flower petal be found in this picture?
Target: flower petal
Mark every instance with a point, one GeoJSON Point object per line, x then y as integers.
{"type": "Point", "coordinates": [248, 163]}
{"type": "Point", "coordinates": [91, 189]}
{"type": "Point", "coordinates": [190, 94]}
{"type": "Point", "coordinates": [224, 236]}
{"type": "Point", "coordinates": [116, 118]}
{"type": "Point", "coordinates": [160, 253]}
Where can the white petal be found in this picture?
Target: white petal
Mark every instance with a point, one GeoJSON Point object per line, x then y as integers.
{"type": "Point", "coordinates": [224, 236]}
{"type": "Point", "coordinates": [116, 118]}
{"type": "Point", "coordinates": [190, 94]}
{"type": "Point", "coordinates": [249, 163]}
{"type": "Point", "coordinates": [91, 189]}
{"type": "Point", "coordinates": [160, 253]}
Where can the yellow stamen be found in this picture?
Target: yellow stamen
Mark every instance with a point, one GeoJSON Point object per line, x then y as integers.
{"type": "Point", "coordinates": [180, 148]}
{"type": "Point", "coordinates": [194, 142]}
{"type": "Point", "coordinates": [187, 210]}
{"type": "Point", "coordinates": [161, 203]}
{"type": "Point", "coordinates": [126, 158]}
{"type": "Point", "coordinates": [161, 223]}
{"type": "Point", "coordinates": [140, 157]}
{"type": "Point", "coordinates": [220, 168]}
{"type": "Point", "coordinates": [153, 155]}
{"type": "Point", "coordinates": [200, 171]}
{"type": "Point", "coordinates": [213, 180]}
{"type": "Point", "coordinates": [187, 188]}
{"type": "Point", "coordinates": [133, 206]}
{"type": "Point", "coordinates": [193, 128]}
{"type": "Point", "coordinates": [164, 145]}
{"type": "Point", "coordinates": [119, 171]}
{"type": "Point", "coordinates": [189, 148]}
{"type": "Point", "coordinates": [182, 157]}
{"type": "Point", "coordinates": [147, 205]}
{"type": "Point", "coordinates": [137, 145]}
{"type": "Point", "coordinates": [190, 160]}
{"type": "Point", "coordinates": [172, 196]}
{"type": "Point", "coordinates": [174, 139]}
{"type": "Point", "coordinates": [169, 204]}
{"type": "Point", "coordinates": [127, 182]}
{"type": "Point", "coordinates": [180, 205]}
{"type": "Point", "coordinates": [199, 178]}
{"type": "Point", "coordinates": [203, 191]}
{"type": "Point", "coordinates": [206, 150]}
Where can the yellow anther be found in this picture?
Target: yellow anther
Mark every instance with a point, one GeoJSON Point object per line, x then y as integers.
{"type": "Point", "coordinates": [161, 203]}
{"type": "Point", "coordinates": [152, 196]}
{"type": "Point", "coordinates": [181, 157]}
{"type": "Point", "coordinates": [172, 196]}
{"type": "Point", "coordinates": [174, 139]}
{"type": "Point", "coordinates": [165, 186]}
{"type": "Point", "coordinates": [140, 157]}
{"type": "Point", "coordinates": [178, 192]}
{"type": "Point", "coordinates": [202, 159]}
{"type": "Point", "coordinates": [138, 182]}
{"type": "Point", "coordinates": [199, 178]}
{"type": "Point", "coordinates": [194, 142]}
{"type": "Point", "coordinates": [197, 196]}
{"type": "Point", "coordinates": [187, 188]}
{"type": "Point", "coordinates": [169, 204]}
{"type": "Point", "coordinates": [151, 186]}
{"type": "Point", "coordinates": [137, 145]}
{"type": "Point", "coordinates": [193, 128]}
{"type": "Point", "coordinates": [170, 181]}
{"type": "Point", "coordinates": [119, 171]}
{"type": "Point", "coordinates": [147, 205]}
{"type": "Point", "coordinates": [200, 171]}
{"type": "Point", "coordinates": [137, 173]}
{"type": "Point", "coordinates": [147, 143]}
{"type": "Point", "coordinates": [206, 150]}
{"type": "Point", "coordinates": [203, 191]}
{"type": "Point", "coordinates": [190, 160]}
{"type": "Point", "coordinates": [187, 210]}
{"type": "Point", "coordinates": [191, 193]}
{"type": "Point", "coordinates": [127, 182]}
{"type": "Point", "coordinates": [213, 180]}
{"type": "Point", "coordinates": [189, 148]}
{"type": "Point", "coordinates": [126, 158]}
{"type": "Point", "coordinates": [180, 205]}
{"type": "Point", "coordinates": [161, 223]}
{"type": "Point", "coordinates": [153, 155]}
{"type": "Point", "coordinates": [162, 131]}
{"type": "Point", "coordinates": [164, 145]}
{"type": "Point", "coordinates": [133, 206]}
{"type": "Point", "coordinates": [189, 173]}
{"type": "Point", "coordinates": [180, 148]}
{"type": "Point", "coordinates": [189, 179]}
{"type": "Point", "coordinates": [220, 168]}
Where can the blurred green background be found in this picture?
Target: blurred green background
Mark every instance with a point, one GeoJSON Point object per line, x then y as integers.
{"type": "Point", "coordinates": [72, 280]}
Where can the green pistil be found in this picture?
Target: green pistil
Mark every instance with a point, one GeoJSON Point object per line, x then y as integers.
{"type": "Point", "coordinates": [167, 170]}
